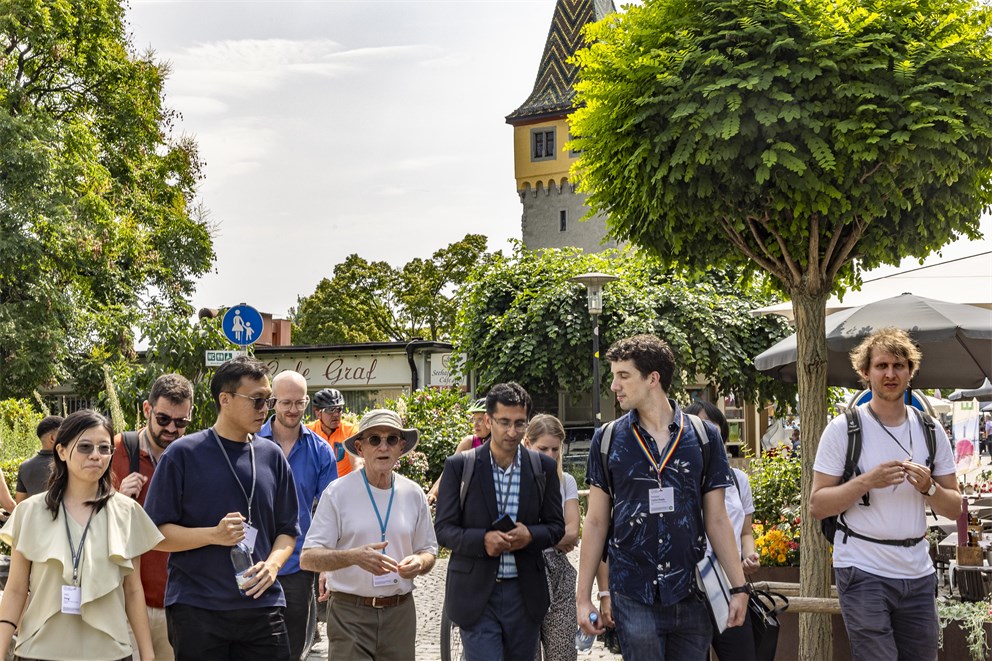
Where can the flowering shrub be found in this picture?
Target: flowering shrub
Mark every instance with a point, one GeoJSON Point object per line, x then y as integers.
{"type": "Point", "coordinates": [777, 544]}
{"type": "Point", "coordinates": [775, 483]}
{"type": "Point", "coordinates": [441, 416]}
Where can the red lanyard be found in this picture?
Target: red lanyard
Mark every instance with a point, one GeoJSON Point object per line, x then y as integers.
{"type": "Point", "coordinates": [671, 448]}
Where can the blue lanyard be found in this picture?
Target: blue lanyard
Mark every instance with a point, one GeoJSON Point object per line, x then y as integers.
{"type": "Point", "coordinates": [389, 508]}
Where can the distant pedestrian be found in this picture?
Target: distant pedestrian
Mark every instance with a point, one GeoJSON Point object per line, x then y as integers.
{"type": "Point", "coordinates": [546, 435]}
{"type": "Point", "coordinates": [481, 431]}
{"type": "Point", "coordinates": [328, 406]}
{"type": "Point", "coordinates": [33, 474]}
{"type": "Point", "coordinates": [885, 576]}
{"type": "Point", "coordinates": [77, 549]}
{"type": "Point", "coordinates": [372, 533]}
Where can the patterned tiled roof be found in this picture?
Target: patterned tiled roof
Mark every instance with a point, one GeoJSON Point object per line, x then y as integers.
{"type": "Point", "coordinates": [553, 89]}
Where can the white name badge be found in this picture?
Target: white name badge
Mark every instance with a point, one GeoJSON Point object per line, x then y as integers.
{"type": "Point", "coordinates": [72, 598]}
{"type": "Point", "coordinates": [251, 533]}
{"type": "Point", "coordinates": [392, 578]}
{"type": "Point", "coordinates": [661, 500]}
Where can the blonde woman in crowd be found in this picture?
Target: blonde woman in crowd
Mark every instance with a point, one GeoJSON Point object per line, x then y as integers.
{"type": "Point", "coordinates": [77, 549]}
{"type": "Point", "coordinates": [546, 435]}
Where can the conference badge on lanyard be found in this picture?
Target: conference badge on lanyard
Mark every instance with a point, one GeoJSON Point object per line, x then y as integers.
{"type": "Point", "coordinates": [660, 499]}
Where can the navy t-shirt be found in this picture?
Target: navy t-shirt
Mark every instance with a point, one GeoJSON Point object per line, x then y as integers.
{"type": "Point", "coordinates": [193, 487]}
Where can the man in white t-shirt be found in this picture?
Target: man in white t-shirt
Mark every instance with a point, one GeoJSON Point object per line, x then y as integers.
{"type": "Point", "coordinates": [885, 578]}
{"type": "Point", "coordinates": [372, 532]}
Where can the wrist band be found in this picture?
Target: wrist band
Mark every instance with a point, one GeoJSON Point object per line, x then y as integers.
{"type": "Point", "coordinates": [741, 589]}
{"type": "Point", "coordinates": [604, 593]}
{"type": "Point", "coordinates": [10, 623]}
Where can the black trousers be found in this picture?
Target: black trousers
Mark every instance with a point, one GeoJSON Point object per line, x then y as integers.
{"type": "Point", "coordinates": [736, 643]}
{"type": "Point", "coordinates": [248, 634]}
{"type": "Point", "coordinates": [298, 588]}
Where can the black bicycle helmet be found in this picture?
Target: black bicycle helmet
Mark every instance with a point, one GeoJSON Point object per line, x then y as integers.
{"type": "Point", "coordinates": [328, 398]}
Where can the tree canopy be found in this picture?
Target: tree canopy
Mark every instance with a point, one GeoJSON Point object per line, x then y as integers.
{"type": "Point", "coordinates": [788, 135]}
{"type": "Point", "coordinates": [522, 320]}
{"type": "Point", "coordinates": [97, 198]}
{"type": "Point", "coordinates": [375, 302]}
{"type": "Point", "coordinates": [807, 139]}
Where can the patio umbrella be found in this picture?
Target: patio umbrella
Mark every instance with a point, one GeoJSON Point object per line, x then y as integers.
{"type": "Point", "coordinates": [983, 393]}
{"type": "Point", "coordinates": [956, 341]}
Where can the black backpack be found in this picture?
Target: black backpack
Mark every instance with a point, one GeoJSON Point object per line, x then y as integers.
{"type": "Point", "coordinates": [130, 440]}
{"type": "Point", "coordinates": [831, 524]}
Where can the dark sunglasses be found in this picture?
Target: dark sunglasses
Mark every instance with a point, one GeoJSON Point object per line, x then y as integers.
{"type": "Point", "coordinates": [258, 402]}
{"type": "Point", "coordinates": [375, 440]}
{"type": "Point", "coordinates": [163, 420]}
{"type": "Point", "coordinates": [87, 448]}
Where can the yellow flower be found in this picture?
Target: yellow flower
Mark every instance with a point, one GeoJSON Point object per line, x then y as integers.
{"type": "Point", "coordinates": [781, 558]}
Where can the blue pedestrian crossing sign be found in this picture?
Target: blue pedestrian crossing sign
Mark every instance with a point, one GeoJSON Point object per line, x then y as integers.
{"type": "Point", "coordinates": [242, 325]}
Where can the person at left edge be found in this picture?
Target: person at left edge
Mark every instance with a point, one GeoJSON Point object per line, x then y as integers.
{"type": "Point", "coordinates": [212, 490]}
{"type": "Point", "coordinates": [77, 549]}
{"type": "Point", "coordinates": [313, 469]}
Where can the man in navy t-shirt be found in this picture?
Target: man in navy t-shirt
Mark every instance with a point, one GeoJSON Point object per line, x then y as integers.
{"type": "Point", "coordinates": [214, 490]}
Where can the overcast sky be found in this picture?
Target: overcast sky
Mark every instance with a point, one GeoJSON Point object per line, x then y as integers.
{"type": "Point", "coordinates": [337, 127]}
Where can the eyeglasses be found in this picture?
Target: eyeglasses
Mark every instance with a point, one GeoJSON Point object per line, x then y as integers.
{"type": "Point", "coordinates": [375, 440]}
{"type": "Point", "coordinates": [333, 409]}
{"type": "Point", "coordinates": [506, 425]}
{"type": "Point", "coordinates": [87, 448]}
{"type": "Point", "coordinates": [259, 403]}
{"type": "Point", "coordinates": [293, 404]}
{"type": "Point", "coordinates": [164, 420]}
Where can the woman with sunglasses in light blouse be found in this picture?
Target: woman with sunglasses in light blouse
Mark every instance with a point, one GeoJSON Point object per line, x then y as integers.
{"type": "Point", "coordinates": [76, 548]}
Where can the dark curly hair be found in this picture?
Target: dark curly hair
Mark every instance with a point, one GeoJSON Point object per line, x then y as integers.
{"type": "Point", "coordinates": [649, 353]}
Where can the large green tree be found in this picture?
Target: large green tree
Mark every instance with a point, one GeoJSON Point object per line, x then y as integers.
{"type": "Point", "coordinates": [521, 319]}
{"type": "Point", "coordinates": [97, 212]}
{"type": "Point", "coordinates": [807, 139]}
{"type": "Point", "coordinates": [375, 302]}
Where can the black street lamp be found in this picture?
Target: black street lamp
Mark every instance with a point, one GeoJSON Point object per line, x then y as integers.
{"type": "Point", "coordinates": [594, 291]}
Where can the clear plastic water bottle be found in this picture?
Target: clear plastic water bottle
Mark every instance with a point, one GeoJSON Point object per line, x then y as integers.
{"type": "Point", "coordinates": [241, 559]}
{"type": "Point", "coordinates": [583, 640]}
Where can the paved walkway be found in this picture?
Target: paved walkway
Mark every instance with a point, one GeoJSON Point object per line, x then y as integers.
{"type": "Point", "coordinates": [429, 598]}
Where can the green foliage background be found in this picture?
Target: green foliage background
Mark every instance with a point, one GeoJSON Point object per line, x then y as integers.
{"type": "Point", "coordinates": [775, 485]}
{"type": "Point", "coordinates": [522, 320]}
{"type": "Point", "coordinates": [441, 416]}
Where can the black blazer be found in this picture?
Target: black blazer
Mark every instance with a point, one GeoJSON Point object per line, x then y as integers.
{"type": "Point", "coordinates": [471, 572]}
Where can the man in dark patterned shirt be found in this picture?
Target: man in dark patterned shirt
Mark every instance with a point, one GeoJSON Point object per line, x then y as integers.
{"type": "Point", "coordinates": [666, 500]}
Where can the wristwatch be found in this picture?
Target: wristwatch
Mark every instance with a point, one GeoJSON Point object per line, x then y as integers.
{"type": "Point", "coordinates": [933, 488]}
{"type": "Point", "coordinates": [741, 589]}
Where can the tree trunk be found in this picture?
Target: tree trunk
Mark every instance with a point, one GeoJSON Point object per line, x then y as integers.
{"type": "Point", "coordinates": [815, 560]}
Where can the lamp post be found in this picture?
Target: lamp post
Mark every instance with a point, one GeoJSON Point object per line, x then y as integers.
{"type": "Point", "coordinates": [594, 293]}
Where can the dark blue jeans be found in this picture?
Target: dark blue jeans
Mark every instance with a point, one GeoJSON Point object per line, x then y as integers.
{"type": "Point", "coordinates": [888, 618]}
{"type": "Point", "coordinates": [504, 632]}
{"type": "Point", "coordinates": [652, 632]}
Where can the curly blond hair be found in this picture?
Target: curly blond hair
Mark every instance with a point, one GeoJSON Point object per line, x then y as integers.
{"type": "Point", "coordinates": [893, 340]}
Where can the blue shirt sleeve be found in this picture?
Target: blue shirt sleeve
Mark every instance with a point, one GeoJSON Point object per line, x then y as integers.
{"type": "Point", "coordinates": [717, 473]}
{"type": "Point", "coordinates": [287, 507]}
{"type": "Point", "coordinates": [595, 474]}
{"type": "Point", "coordinates": [328, 467]}
{"type": "Point", "coordinates": [164, 500]}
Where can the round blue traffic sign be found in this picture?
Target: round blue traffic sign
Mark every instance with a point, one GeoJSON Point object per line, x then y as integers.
{"type": "Point", "coordinates": [242, 325]}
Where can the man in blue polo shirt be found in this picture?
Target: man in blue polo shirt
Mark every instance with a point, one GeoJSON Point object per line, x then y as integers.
{"type": "Point", "coordinates": [664, 504]}
{"type": "Point", "coordinates": [211, 491]}
{"type": "Point", "coordinates": [313, 468]}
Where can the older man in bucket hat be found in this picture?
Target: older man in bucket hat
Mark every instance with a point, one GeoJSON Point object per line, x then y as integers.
{"type": "Point", "coordinates": [373, 533]}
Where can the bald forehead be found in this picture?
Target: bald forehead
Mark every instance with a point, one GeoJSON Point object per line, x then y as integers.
{"type": "Point", "coordinates": [289, 384]}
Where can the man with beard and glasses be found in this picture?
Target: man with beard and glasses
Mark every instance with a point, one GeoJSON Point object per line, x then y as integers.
{"type": "Point", "coordinates": [167, 410]}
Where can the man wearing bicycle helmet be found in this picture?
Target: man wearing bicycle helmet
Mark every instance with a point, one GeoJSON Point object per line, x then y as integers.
{"type": "Point", "coordinates": [328, 405]}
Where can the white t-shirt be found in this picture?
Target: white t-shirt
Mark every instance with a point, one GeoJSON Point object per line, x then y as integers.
{"type": "Point", "coordinates": [569, 489]}
{"type": "Point", "coordinates": [345, 519]}
{"type": "Point", "coordinates": [894, 512]}
{"type": "Point", "coordinates": [738, 505]}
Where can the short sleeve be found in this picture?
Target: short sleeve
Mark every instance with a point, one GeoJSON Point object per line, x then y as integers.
{"type": "Point", "coordinates": [571, 488]}
{"type": "Point", "coordinates": [747, 498]}
{"type": "Point", "coordinates": [328, 467]}
{"type": "Point", "coordinates": [325, 528]}
{"type": "Point", "coordinates": [164, 500]}
{"type": "Point", "coordinates": [943, 461]}
{"type": "Point", "coordinates": [20, 481]}
{"type": "Point", "coordinates": [287, 502]}
{"type": "Point", "coordinates": [832, 448]}
{"type": "Point", "coordinates": [595, 472]}
{"type": "Point", "coordinates": [131, 532]}
{"type": "Point", "coordinates": [424, 538]}
{"type": "Point", "coordinates": [717, 471]}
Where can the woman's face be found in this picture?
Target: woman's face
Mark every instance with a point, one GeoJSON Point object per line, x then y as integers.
{"type": "Point", "coordinates": [547, 444]}
{"type": "Point", "coordinates": [84, 455]}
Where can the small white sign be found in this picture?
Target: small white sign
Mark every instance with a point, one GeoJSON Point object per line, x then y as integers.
{"type": "Point", "coordinates": [217, 357]}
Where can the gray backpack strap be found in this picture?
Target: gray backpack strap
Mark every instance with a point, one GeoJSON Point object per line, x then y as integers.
{"type": "Point", "coordinates": [604, 454]}
{"type": "Point", "coordinates": [468, 467]}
